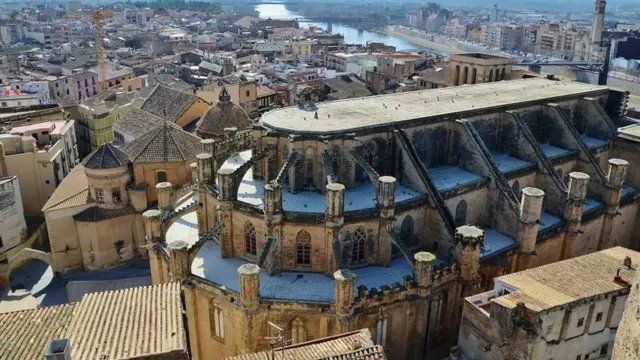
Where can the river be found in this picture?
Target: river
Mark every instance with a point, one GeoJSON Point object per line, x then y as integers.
{"type": "Point", "coordinates": [351, 34]}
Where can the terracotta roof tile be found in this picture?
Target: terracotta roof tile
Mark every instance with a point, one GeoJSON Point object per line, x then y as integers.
{"type": "Point", "coordinates": [26, 334]}
{"type": "Point", "coordinates": [96, 213]}
{"type": "Point", "coordinates": [72, 185]}
{"type": "Point", "coordinates": [136, 122]}
{"type": "Point", "coordinates": [106, 156]}
{"type": "Point", "coordinates": [103, 323]}
{"type": "Point", "coordinates": [167, 142]}
{"type": "Point", "coordinates": [355, 345]}
{"type": "Point", "coordinates": [168, 103]}
{"type": "Point", "coordinates": [569, 280]}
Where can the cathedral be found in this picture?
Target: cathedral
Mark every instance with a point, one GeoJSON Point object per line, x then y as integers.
{"type": "Point", "coordinates": [385, 212]}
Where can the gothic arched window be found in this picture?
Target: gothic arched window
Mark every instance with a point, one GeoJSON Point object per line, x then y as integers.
{"type": "Point", "coordinates": [303, 248]}
{"type": "Point", "coordinates": [461, 213]}
{"type": "Point", "coordinates": [516, 188]}
{"type": "Point", "coordinates": [298, 334]}
{"type": "Point", "coordinates": [309, 158]}
{"type": "Point", "coordinates": [358, 245]}
{"type": "Point", "coordinates": [406, 231]}
{"type": "Point", "coordinates": [250, 242]}
{"type": "Point", "coordinates": [381, 331]}
{"type": "Point", "coordinates": [216, 317]}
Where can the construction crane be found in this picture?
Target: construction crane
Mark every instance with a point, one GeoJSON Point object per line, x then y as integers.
{"type": "Point", "coordinates": [96, 17]}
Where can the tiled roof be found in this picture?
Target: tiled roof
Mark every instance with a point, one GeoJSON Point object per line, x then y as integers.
{"type": "Point", "coordinates": [26, 334]}
{"type": "Point", "coordinates": [79, 288]}
{"type": "Point", "coordinates": [348, 346]}
{"type": "Point", "coordinates": [569, 280]}
{"type": "Point", "coordinates": [131, 323]}
{"type": "Point", "coordinates": [169, 103]}
{"type": "Point", "coordinates": [224, 114]}
{"type": "Point", "coordinates": [71, 192]}
{"type": "Point", "coordinates": [346, 87]}
{"type": "Point", "coordinates": [172, 82]}
{"type": "Point", "coordinates": [66, 101]}
{"type": "Point", "coordinates": [165, 143]}
{"type": "Point", "coordinates": [106, 156]}
{"type": "Point", "coordinates": [96, 213]}
{"type": "Point", "coordinates": [136, 122]}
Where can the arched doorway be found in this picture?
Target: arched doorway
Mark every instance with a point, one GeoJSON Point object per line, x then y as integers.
{"type": "Point", "coordinates": [490, 75]}
{"type": "Point", "coordinates": [474, 73]}
{"type": "Point", "coordinates": [456, 81]}
{"type": "Point", "coordinates": [465, 75]}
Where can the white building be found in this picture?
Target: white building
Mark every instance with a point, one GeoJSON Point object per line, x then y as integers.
{"type": "Point", "coordinates": [41, 155]}
{"type": "Point", "coordinates": [13, 227]}
{"type": "Point", "coordinates": [569, 309]}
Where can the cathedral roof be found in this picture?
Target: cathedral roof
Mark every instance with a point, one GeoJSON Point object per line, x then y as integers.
{"type": "Point", "coordinates": [106, 156]}
{"type": "Point", "coordinates": [165, 143]}
{"type": "Point", "coordinates": [224, 114]}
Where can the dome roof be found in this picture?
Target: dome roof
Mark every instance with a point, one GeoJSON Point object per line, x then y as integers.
{"type": "Point", "coordinates": [224, 114]}
{"type": "Point", "coordinates": [105, 157]}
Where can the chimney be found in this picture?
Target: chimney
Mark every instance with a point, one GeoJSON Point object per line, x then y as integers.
{"type": "Point", "coordinates": [58, 349]}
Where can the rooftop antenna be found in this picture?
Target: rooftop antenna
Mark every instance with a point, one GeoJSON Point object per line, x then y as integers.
{"type": "Point", "coordinates": [278, 340]}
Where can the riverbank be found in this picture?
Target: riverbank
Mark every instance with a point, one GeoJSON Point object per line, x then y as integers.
{"type": "Point", "coordinates": [412, 37]}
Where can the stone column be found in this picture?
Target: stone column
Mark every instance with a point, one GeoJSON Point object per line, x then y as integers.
{"type": "Point", "coordinates": [423, 271]}
{"type": "Point", "coordinates": [205, 167]}
{"type": "Point", "coordinates": [468, 240]}
{"type": "Point", "coordinates": [334, 220]}
{"type": "Point", "coordinates": [153, 233]}
{"type": "Point", "coordinates": [191, 307]}
{"type": "Point", "coordinates": [345, 282]}
{"type": "Point", "coordinates": [613, 190]}
{"type": "Point", "coordinates": [194, 172]}
{"type": "Point", "coordinates": [226, 196]}
{"type": "Point", "coordinates": [178, 260]}
{"type": "Point", "coordinates": [249, 286]}
{"type": "Point", "coordinates": [273, 220]}
{"type": "Point", "coordinates": [578, 183]}
{"type": "Point", "coordinates": [386, 200]}
{"type": "Point", "coordinates": [163, 192]}
{"type": "Point", "coordinates": [530, 212]}
{"type": "Point", "coordinates": [206, 146]}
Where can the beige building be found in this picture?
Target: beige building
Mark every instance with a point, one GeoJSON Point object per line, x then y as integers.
{"type": "Point", "coordinates": [243, 92]}
{"type": "Point", "coordinates": [387, 212]}
{"type": "Point", "coordinates": [570, 309]}
{"type": "Point", "coordinates": [94, 219]}
{"type": "Point", "coordinates": [41, 155]}
{"type": "Point", "coordinates": [477, 68]}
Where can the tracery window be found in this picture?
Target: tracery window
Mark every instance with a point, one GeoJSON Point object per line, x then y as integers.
{"type": "Point", "coordinates": [381, 332]}
{"type": "Point", "coordinates": [358, 245]}
{"type": "Point", "coordinates": [461, 213]}
{"type": "Point", "coordinates": [303, 248]}
{"type": "Point", "coordinates": [250, 242]}
{"type": "Point", "coordinates": [298, 334]}
{"type": "Point", "coordinates": [217, 320]}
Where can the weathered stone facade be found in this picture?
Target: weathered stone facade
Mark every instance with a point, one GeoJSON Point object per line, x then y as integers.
{"type": "Point", "coordinates": [340, 221]}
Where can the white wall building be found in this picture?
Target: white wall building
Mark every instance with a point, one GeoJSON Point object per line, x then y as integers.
{"type": "Point", "coordinates": [13, 227]}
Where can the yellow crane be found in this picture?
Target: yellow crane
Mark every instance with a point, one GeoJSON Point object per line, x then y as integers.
{"type": "Point", "coordinates": [96, 17]}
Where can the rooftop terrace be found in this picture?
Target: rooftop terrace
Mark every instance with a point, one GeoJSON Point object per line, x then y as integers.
{"type": "Point", "coordinates": [342, 116]}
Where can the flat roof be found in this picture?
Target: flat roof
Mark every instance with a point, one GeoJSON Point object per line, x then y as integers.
{"type": "Point", "coordinates": [571, 280]}
{"type": "Point", "coordinates": [349, 115]}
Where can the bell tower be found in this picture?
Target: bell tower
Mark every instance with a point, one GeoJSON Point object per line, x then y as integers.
{"type": "Point", "coordinates": [598, 22]}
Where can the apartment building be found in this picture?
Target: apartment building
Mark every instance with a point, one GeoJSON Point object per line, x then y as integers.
{"type": "Point", "coordinates": [570, 309]}
{"type": "Point", "coordinates": [40, 155]}
{"type": "Point", "coordinates": [502, 36]}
